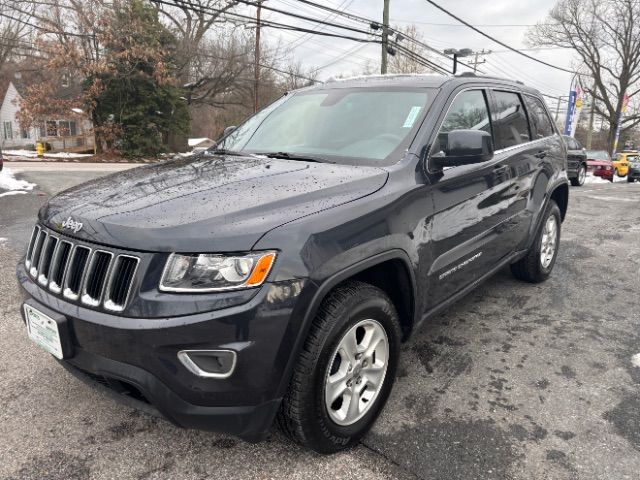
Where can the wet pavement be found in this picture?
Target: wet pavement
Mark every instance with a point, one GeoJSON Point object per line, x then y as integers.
{"type": "Point", "coordinates": [515, 381]}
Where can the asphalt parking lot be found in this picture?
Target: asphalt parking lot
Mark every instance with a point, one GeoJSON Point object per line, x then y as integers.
{"type": "Point", "coordinates": [516, 381]}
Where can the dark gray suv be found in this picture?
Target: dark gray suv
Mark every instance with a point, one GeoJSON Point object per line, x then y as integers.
{"type": "Point", "coordinates": [277, 276]}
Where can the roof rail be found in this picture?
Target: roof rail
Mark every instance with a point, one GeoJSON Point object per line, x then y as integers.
{"type": "Point", "coordinates": [472, 74]}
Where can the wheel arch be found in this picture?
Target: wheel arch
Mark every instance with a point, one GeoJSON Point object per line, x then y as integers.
{"type": "Point", "coordinates": [363, 270]}
{"type": "Point", "coordinates": [560, 194]}
{"type": "Point", "coordinates": [390, 271]}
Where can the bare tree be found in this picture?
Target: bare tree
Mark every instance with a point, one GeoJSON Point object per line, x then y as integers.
{"type": "Point", "coordinates": [403, 63]}
{"type": "Point", "coordinates": [191, 22]}
{"type": "Point", "coordinates": [606, 36]}
{"type": "Point", "coordinates": [16, 33]}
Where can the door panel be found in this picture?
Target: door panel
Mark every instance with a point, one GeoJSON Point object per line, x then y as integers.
{"type": "Point", "coordinates": [470, 203]}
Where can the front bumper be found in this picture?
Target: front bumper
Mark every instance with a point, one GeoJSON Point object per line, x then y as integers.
{"type": "Point", "coordinates": [606, 174]}
{"type": "Point", "coordinates": [137, 357]}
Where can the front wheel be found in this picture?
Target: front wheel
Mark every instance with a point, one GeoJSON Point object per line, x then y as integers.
{"type": "Point", "coordinates": [578, 181]}
{"type": "Point", "coordinates": [537, 264]}
{"type": "Point", "coordinates": [345, 371]}
{"type": "Point", "coordinates": [630, 179]}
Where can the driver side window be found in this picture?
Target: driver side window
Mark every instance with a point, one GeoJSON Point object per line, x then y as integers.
{"type": "Point", "coordinates": [467, 112]}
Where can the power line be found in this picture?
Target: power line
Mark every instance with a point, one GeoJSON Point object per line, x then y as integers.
{"type": "Point", "coordinates": [251, 20]}
{"type": "Point", "coordinates": [486, 35]}
{"type": "Point", "coordinates": [43, 29]}
{"type": "Point", "coordinates": [392, 31]}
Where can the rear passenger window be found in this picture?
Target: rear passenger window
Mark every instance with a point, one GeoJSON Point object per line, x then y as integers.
{"type": "Point", "coordinates": [467, 112]}
{"type": "Point", "coordinates": [509, 120]}
{"type": "Point", "coordinates": [541, 125]}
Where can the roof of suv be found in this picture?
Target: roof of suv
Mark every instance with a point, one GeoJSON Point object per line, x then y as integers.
{"type": "Point", "coordinates": [420, 80]}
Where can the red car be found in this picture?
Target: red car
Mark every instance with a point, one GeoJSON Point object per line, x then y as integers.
{"type": "Point", "coordinates": [599, 163]}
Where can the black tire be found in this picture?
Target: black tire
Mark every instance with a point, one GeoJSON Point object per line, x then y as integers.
{"type": "Point", "coordinates": [630, 179]}
{"type": "Point", "coordinates": [530, 268]}
{"type": "Point", "coordinates": [303, 416]}
{"type": "Point", "coordinates": [578, 181]}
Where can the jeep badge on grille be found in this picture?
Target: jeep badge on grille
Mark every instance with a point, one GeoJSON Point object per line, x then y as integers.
{"type": "Point", "coordinates": [71, 224]}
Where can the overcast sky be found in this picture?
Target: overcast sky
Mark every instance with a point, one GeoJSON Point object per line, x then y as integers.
{"type": "Point", "coordinates": [506, 20]}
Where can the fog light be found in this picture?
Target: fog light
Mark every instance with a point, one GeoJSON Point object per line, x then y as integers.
{"type": "Point", "coordinates": [209, 363]}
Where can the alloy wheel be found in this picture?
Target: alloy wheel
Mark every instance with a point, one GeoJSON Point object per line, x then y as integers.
{"type": "Point", "coordinates": [356, 372]}
{"type": "Point", "coordinates": [549, 241]}
{"type": "Point", "coordinates": [582, 175]}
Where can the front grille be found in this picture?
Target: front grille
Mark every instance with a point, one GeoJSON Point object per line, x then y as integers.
{"type": "Point", "coordinates": [79, 272]}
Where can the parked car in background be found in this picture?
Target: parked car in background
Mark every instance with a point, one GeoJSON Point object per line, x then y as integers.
{"type": "Point", "coordinates": [599, 163]}
{"type": "Point", "coordinates": [576, 161]}
{"type": "Point", "coordinates": [634, 168]}
{"type": "Point", "coordinates": [621, 163]}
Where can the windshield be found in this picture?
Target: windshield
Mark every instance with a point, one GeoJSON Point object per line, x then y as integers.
{"type": "Point", "coordinates": [598, 155]}
{"type": "Point", "coordinates": [346, 125]}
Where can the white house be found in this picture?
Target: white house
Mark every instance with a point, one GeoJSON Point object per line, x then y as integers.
{"type": "Point", "coordinates": [69, 134]}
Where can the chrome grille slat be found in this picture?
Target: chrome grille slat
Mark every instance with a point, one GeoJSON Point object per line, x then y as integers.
{"type": "Point", "coordinates": [32, 242]}
{"type": "Point", "coordinates": [45, 259]}
{"type": "Point", "coordinates": [59, 266]}
{"type": "Point", "coordinates": [80, 273]}
{"type": "Point", "coordinates": [37, 251]}
{"type": "Point", "coordinates": [96, 276]}
{"type": "Point", "coordinates": [120, 282]}
{"type": "Point", "coordinates": [76, 271]}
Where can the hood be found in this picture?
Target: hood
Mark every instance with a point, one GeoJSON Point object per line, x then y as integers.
{"type": "Point", "coordinates": [206, 204]}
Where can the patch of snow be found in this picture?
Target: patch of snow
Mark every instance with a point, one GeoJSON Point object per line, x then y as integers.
{"type": "Point", "coordinates": [635, 360]}
{"type": "Point", "coordinates": [593, 179]}
{"type": "Point", "coordinates": [12, 192]}
{"type": "Point", "coordinates": [197, 141]}
{"type": "Point", "coordinates": [32, 154]}
{"type": "Point", "coordinates": [9, 182]}
{"type": "Point", "coordinates": [3, 239]}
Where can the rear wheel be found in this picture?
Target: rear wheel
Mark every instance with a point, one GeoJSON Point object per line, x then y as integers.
{"type": "Point", "coordinates": [578, 181]}
{"type": "Point", "coordinates": [537, 264]}
{"type": "Point", "coordinates": [346, 370]}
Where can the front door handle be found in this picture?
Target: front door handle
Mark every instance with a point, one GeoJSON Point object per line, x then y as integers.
{"type": "Point", "coordinates": [541, 154]}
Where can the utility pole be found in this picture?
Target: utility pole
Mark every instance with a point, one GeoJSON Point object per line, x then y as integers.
{"type": "Point", "coordinates": [591, 113]}
{"type": "Point", "coordinates": [475, 62]}
{"type": "Point", "coordinates": [385, 37]}
{"type": "Point", "coordinates": [257, 59]}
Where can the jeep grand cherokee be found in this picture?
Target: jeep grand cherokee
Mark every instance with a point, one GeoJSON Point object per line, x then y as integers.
{"type": "Point", "coordinates": [277, 276]}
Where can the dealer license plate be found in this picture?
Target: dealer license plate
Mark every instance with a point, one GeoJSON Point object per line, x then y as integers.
{"type": "Point", "coordinates": [43, 330]}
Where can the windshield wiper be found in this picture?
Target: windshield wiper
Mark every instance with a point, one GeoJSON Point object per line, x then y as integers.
{"type": "Point", "coordinates": [222, 151]}
{"type": "Point", "coordinates": [294, 156]}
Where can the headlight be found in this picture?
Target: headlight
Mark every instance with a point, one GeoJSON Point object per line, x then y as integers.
{"type": "Point", "coordinates": [213, 272]}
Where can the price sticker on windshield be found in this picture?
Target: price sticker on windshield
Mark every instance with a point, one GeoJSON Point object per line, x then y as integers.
{"type": "Point", "coordinates": [411, 118]}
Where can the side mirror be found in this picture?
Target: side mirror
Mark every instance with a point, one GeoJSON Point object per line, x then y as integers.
{"type": "Point", "coordinates": [464, 147]}
{"type": "Point", "coordinates": [228, 130]}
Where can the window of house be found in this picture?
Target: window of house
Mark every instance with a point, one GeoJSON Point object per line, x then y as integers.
{"type": "Point", "coordinates": [51, 128]}
{"type": "Point", "coordinates": [24, 133]}
{"type": "Point", "coordinates": [8, 130]}
{"type": "Point", "coordinates": [67, 128]}
{"type": "Point", "coordinates": [510, 120]}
